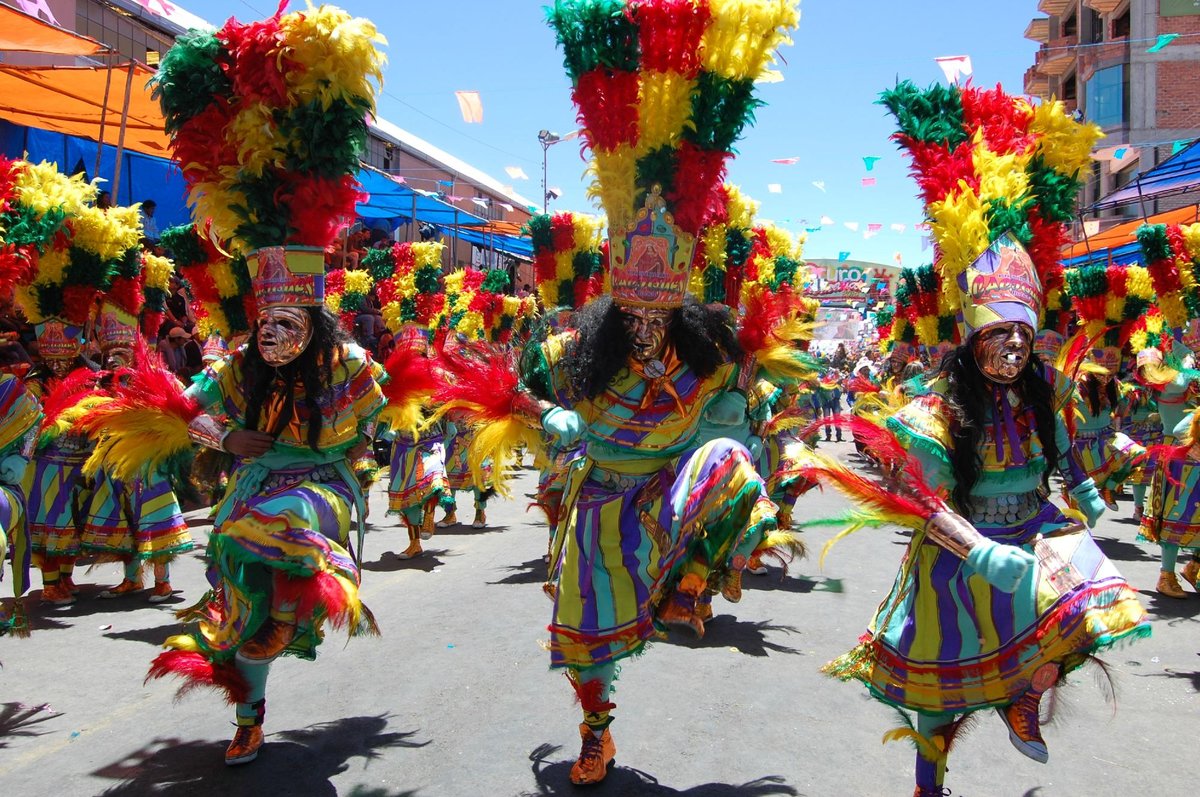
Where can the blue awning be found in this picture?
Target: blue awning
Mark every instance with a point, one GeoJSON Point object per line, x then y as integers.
{"type": "Point", "coordinates": [142, 176]}
{"type": "Point", "coordinates": [506, 244]}
{"type": "Point", "coordinates": [1178, 174]}
{"type": "Point", "coordinates": [396, 204]}
{"type": "Point", "coordinates": [1129, 254]}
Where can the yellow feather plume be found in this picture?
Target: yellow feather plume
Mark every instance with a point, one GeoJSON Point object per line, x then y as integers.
{"type": "Point", "coordinates": [138, 440]}
{"type": "Point", "coordinates": [496, 442]}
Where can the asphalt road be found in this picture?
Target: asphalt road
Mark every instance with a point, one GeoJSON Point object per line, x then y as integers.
{"type": "Point", "coordinates": [456, 698]}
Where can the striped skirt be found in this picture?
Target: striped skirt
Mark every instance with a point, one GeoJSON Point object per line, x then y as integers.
{"type": "Point", "coordinates": [55, 498]}
{"type": "Point", "coordinates": [418, 476]}
{"type": "Point", "coordinates": [458, 469]}
{"type": "Point", "coordinates": [1172, 511]}
{"type": "Point", "coordinates": [945, 642]}
{"type": "Point", "coordinates": [1107, 456]}
{"type": "Point", "coordinates": [626, 538]}
{"type": "Point", "coordinates": [1146, 434]}
{"type": "Point", "coordinates": [290, 539]}
{"type": "Point", "coordinates": [14, 536]}
{"type": "Point", "coordinates": [140, 522]}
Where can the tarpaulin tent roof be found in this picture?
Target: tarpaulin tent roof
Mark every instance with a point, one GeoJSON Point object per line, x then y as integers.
{"type": "Point", "coordinates": [1120, 242]}
{"type": "Point", "coordinates": [23, 33]}
{"type": "Point", "coordinates": [70, 100]}
{"type": "Point", "coordinates": [397, 203]}
{"type": "Point", "coordinates": [142, 176]}
{"type": "Point", "coordinates": [1178, 174]}
{"type": "Point", "coordinates": [507, 244]}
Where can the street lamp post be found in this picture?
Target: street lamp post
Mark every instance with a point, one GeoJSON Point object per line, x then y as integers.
{"type": "Point", "coordinates": [547, 139]}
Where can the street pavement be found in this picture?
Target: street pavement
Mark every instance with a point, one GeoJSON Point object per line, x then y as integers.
{"type": "Point", "coordinates": [456, 698]}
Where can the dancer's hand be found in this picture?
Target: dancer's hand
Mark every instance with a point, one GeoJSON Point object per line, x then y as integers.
{"type": "Point", "coordinates": [1002, 566]}
{"type": "Point", "coordinates": [12, 469]}
{"type": "Point", "coordinates": [248, 444]}
{"type": "Point", "coordinates": [566, 426]}
{"type": "Point", "coordinates": [1089, 501]}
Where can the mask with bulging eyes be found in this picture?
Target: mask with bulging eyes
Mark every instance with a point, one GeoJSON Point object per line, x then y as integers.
{"type": "Point", "coordinates": [647, 330]}
{"type": "Point", "coordinates": [283, 334]}
{"type": "Point", "coordinates": [118, 357]}
{"type": "Point", "coordinates": [60, 366]}
{"type": "Point", "coordinates": [1002, 351]}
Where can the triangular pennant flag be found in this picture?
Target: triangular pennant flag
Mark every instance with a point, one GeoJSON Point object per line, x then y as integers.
{"type": "Point", "coordinates": [954, 66]}
{"type": "Point", "coordinates": [786, 161]}
{"type": "Point", "coordinates": [843, 257]}
{"type": "Point", "coordinates": [774, 188]}
{"type": "Point", "coordinates": [820, 185]}
{"type": "Point", "coordinates": [1163, 40]}
{"type": "Point", "coordinates": [852, 226]}
{"type": "Point", "coordinates": [825, 221]}
{"type": "Point", "coordinates": [868, 182]}
{"type": "Point", "coordinates": [471, 106]}
{"type": "Point", "coordinates": [516, 172]}
{"type": "Point", "coordinates": [900, 228]}
{"type": "Point", "coordinates": [874, 227]}
{"type": "Point", "coordinates": [870, 160]}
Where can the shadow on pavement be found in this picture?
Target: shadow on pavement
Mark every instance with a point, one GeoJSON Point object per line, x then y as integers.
{"type": "Point", "coordinates": [531, 572]}
{"type": "Point", "coordinates": [151, 636]}
{"type": "Point", "coordinates": [20, 720]}
{"type": "Point", "coordinates": [391, 563]}
{"type": "Point", "coordinates": [748, 637]}
{"type": "Point", "coordinates": [1193, 676]}
{"type": "Point", "coordinates": [1172, 609]}
{"type": "Point", "coordinates": [300, 761]}
{"type": "Point", "coordinates": [554, 779]}
{"type": "Point", "coordinates": [466, 529]}
{"type": "Point", "coordinates": [1122, 551]}
{"type": "Point", "coordinates": [798, 584]}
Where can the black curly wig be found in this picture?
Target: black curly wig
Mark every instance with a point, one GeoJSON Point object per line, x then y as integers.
{"type": "Point", "coordinates": [313, 369]}
{"type": "Point", "coordinates": [702, 336]}
{"type": "Point", "coordinates": [1093, 396]}
{"type": "Point", "coordinates": [970, 394]}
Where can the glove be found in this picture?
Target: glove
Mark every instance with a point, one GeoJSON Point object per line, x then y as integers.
{"type": "Point", "coordinates": [12, 469]}
{"type": "Point", "coordinates": [1002, 566]}
{"type": "Point", "coordinates": [754, 444]}
{"type": "Point", "coordinates": [1088, 500]}
{"type": "Point", "coordinates": [727, 409]}
{"type": "Point", "coordinates": [566, 426]}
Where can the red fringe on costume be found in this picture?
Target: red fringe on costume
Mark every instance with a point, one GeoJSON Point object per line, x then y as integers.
{"type": "Point", "coordinates": [197, 671]}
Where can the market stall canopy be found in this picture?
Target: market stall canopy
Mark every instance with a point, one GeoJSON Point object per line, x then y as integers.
{"type": "Point", "coordinates": [70, 100]}
{"type": "Point", "coordinates": [396, 203]}
{"type": "Point", "coordinates": [1119, 244]}
{"type": "Point", "coordinates": [1178, 174]}
{"type": "Point", "coordinates": [23, 33]}
{"type": "Point", "coordinates": [516, 246]}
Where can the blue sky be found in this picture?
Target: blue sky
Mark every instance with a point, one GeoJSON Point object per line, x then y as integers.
{"type": "Point", "coordinates": [845, 52]}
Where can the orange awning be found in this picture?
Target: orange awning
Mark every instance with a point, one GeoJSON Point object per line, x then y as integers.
{"type": "Point", "coordinates": [1126, 233]}
{"type": "Point", "coordinates": [23, 33]}
{"type": "Point", "coordinates": [70, 100]}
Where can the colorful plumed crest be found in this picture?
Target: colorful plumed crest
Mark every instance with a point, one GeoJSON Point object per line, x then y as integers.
{"type": "Point", "coordinates": [663, 88]}
{"type": "Point", "coordinates": [569, 257]}
{"type": "Point", "coordinates": [408, 282]}
{"type": "Point", "coordinates": [222, 297]}
{"type": "Point", "coordinates": [988, 164]}
{"type": "Point", "coordinates": [346, 294]}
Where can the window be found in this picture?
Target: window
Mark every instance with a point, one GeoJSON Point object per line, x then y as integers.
{"type": "Point", "coordinates": [1069, 90]}
{"type": "Point", "coordinates": [1106, 98]}
{"type": "Point", "coordinates": [1120, 25]}
{"type": "Point", "coordinates": [1093, 27]}
{"type": "Point", "coordinates": [1070, 25]}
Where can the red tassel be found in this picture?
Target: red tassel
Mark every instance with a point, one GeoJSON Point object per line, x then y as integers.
{"type": "Point", "coordinates": [197, 671]}
{"type": "Point", "coordinates": [320, 593]}
{"type": "Point", "coordinates": [587, 693]}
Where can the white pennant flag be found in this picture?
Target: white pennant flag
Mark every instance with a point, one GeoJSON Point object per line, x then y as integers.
{"type": "Point", "coordinates": [516, 172]}
{"type": "Point", "coordinates": [852, 226]}
{"type": "Point", "coordinates": [826, 221]}
{"type": "Point", "coordinates": [954, 66]}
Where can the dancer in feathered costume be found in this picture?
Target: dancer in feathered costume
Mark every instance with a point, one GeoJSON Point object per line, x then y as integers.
{"type": "Point", "coordinates": [1030, 584]}
{"type": "Point", "coordinates": [663, 90]}
{"type": "Point", "coordinates": [1172, 511]}
{"type": "Point", "coordinates": [408, 278]}
{"type": "Point", "coordinates": [569, 257]}
{"type": "Point", "coordinates": [72, 252]}
{"type": "Point", "coordinates": [267, 121]}
{"type": "Point", "coordinates": [138, 523]}
{"type": "Point", "coordinates": [1108, 301]}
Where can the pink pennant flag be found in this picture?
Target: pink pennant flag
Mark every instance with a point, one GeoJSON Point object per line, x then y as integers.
{"type": "Point", "coordinates": [868, 182]}
{"type": "Point", "coordinates": [471, 106]}
{"type": "Point", "coordinates": [954, 66]}
{"type": "Point", "coordinates": [38, 8]}
{"type": "Point", "coordinates": [455, 198]}
{"type": "Point", "coordinates": [874, 227]}
{"type": "Point", "coordinates": [786, 161]}
{"type": "Point", "coordinates": [921, 226]}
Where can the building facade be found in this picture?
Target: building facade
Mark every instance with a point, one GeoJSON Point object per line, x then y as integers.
{"type": "Point", "coordinates": [142, 30]}
{"type": "Point", "coordinates": [1094, 56]}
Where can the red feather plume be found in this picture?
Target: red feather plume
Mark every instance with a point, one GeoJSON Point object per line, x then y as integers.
{"type": "Point", "coordinates": [197, 671]}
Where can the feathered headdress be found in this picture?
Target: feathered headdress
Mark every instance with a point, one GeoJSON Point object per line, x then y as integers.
{"type": "Point", "coordinates": [990, 165]}
{"type": "Point", "coordinates": [346, 294]}
{"type": "Point", "coordinates": [569, 253]}
{"type": "Point", "coordinates": [1172, 256]}
{"type": "Point", "coordinates": [408, 282]}
{"type": "Point", "coordinates": [663, 89]}
{"type": "Point", "coordinates": [1109, 301]}
{"type": "Point", "coordinates": [222, 297]}
{"type": "Point", "coordinates": [267, 121]}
